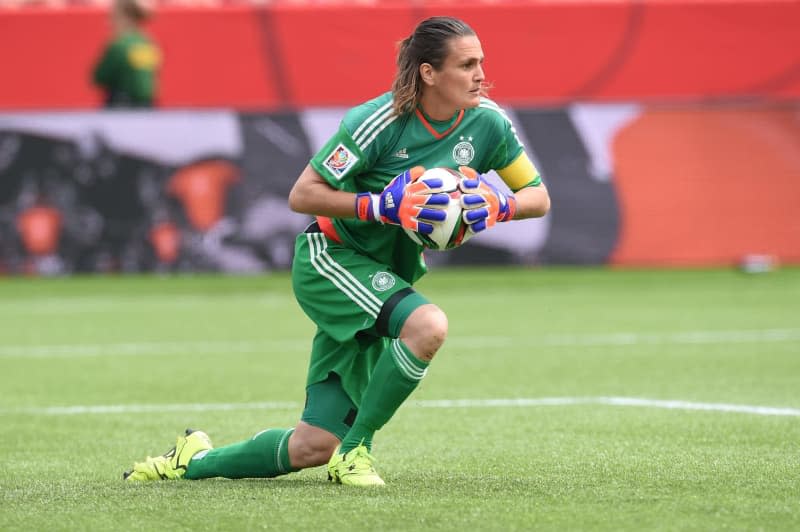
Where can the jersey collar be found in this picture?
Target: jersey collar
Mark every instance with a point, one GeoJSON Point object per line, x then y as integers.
{"type": "Point", "coordinates": [432, 131]}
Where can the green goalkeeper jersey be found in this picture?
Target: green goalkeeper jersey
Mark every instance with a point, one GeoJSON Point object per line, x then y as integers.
{"type": "Point", "coordinates": [374, 144]}
{"type": "Point", "coordinates": [127, 70]}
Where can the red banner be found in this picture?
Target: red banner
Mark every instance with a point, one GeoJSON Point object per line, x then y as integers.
{"type": "Point", "coordinates": [296, 55]}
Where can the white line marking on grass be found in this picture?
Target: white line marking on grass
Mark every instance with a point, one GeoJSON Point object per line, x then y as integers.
{"type": "Point", "coordinates": [78, 410]}
{"type": "Point", "coordinates": [613, 401]}
{"type": "Point", "coordinates": [133, 304]}
{"type": "Point", "coordinates": [588, 340]}
{"type": "Point", "coordinates": [148, 409]}
{"type": "Point", "coordinates": [441, 403]}
{"type": "Point", "coordinates": [211, 347]}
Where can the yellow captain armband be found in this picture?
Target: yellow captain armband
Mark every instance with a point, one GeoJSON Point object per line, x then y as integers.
{"type": "Point", "coordinates": [520, 174]}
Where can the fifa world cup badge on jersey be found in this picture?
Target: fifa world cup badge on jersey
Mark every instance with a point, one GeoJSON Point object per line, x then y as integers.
{"type": "Point", "coordinates": [340, 161]}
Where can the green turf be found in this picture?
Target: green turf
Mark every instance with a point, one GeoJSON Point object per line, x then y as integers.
{"type": "Point", "coordinates": [159, 347]}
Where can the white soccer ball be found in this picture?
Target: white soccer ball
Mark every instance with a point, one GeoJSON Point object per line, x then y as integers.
{"type": "Point", "coordinates": [452, 232]}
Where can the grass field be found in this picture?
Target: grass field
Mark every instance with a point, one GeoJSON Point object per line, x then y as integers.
{"type": "Point", "coordinates": [564, 399]}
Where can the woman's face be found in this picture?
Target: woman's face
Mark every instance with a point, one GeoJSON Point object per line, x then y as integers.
{"type": "Point", "coordinates": [458, 83]}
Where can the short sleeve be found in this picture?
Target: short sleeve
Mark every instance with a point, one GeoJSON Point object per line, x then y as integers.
{"type": "Point", "coordinates": [357, 144]}
{"type": "Point", "coordinates": [339, 160]}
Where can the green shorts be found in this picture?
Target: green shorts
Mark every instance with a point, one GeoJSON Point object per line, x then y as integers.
{"type": "Point", "coordinates": [328, 407]}
{"type": "Point", "coordinates": [358, 305]}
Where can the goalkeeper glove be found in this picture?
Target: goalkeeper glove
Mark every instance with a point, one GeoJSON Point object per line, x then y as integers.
{"type": "Point", "coordinates": [407, 201]}
{"type": "Point", "coordinates": [483, 203]}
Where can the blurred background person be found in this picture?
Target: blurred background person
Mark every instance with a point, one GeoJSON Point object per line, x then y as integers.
{"type": "Point", "coordinates": [128, 67]}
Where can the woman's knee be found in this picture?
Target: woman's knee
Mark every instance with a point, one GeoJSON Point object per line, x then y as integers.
{"type": "Point", "coordinates": [311, 446]}
{"type": "Point", "coordinates": [425, 331]}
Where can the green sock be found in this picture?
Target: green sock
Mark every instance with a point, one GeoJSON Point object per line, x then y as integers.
{"type": "Point", "coordinates": [395, 376]}
{"type": "Point", "coordinates": [264, 455]}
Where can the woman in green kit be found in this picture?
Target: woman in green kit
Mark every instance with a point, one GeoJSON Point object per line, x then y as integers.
{"type": "Point", "coordinates": [126, 71]}
{"type": "Point", "coordinates": [354, 266]}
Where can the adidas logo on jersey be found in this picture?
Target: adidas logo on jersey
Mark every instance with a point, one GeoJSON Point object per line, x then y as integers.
{"type": "Point", "coordinates": [401, 154]}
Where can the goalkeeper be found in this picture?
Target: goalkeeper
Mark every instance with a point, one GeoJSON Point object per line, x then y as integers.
{"type": "Point", "coordinates": [354, 267]}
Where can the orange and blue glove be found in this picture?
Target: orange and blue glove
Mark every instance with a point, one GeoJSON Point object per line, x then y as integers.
{"type": "Point", "coordinates": [409, 201]}
{"type": "Point", "coordinates": [484, 204]}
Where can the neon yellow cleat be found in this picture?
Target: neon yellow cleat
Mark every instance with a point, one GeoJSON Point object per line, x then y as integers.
{"type": "Point", "coordinates": [172, 464]}
{"type": "Point", "coordinates": [354, 468]}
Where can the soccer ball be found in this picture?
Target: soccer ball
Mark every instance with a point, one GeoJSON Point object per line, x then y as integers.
{"type": "Point", "coordinates": [452, 232]}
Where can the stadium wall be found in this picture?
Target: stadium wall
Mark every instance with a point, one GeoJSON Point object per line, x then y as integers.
{"type": "Point", "coordinates": [632, 185]}
{"type": "Point", "coordinates": [667, 132]}
{"type": "Point", "coordinates": [298, 54]}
